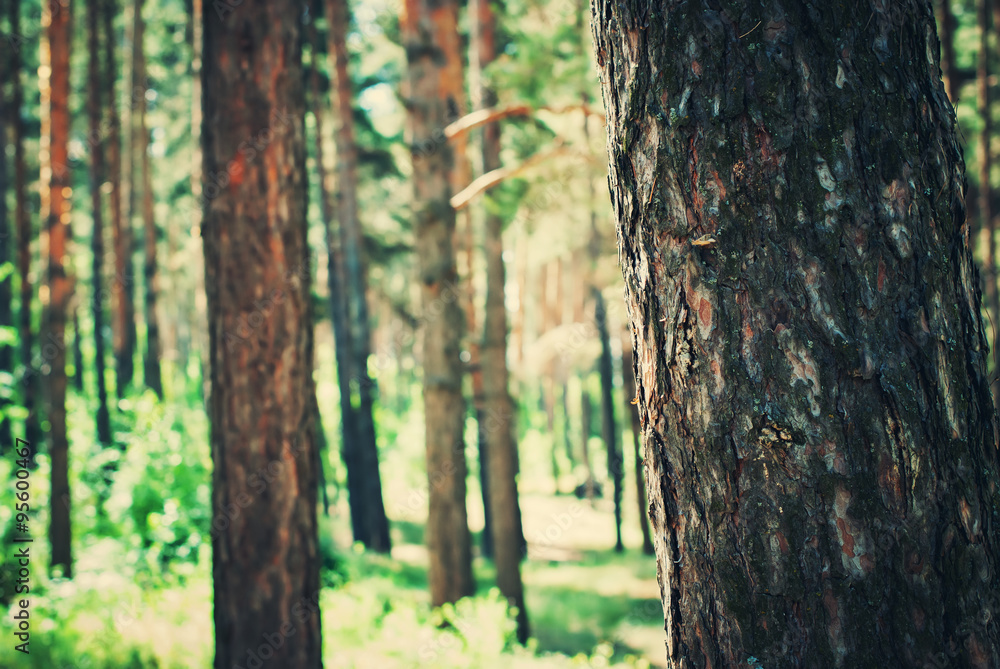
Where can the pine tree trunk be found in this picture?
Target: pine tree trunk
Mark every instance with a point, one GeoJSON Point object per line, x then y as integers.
{"type": "Point", "coordinates": [986, 221]}
{"type": "Point", "coordinates": [96, 146]}
{"type": "Point", "coordinates": [124, 244]}
{"type": "Point", "coordinates": [77, 347]}
{"type": "Point", "coordinates": [29, 383]}
{"type": "Point", "coordinates": [498, 407]}
{"type": "Point", "coordinates": [151, 359]}
{"type": "Point", "coordinates": [817, 419]}
{"type": "Point", "coordinates": [335, 283]}
{"type": "Point", "coordinates": [372, 507]}
{"type": "Point", "coordinates": [6, 288]}
{"type": "Point", "coordinates": [946, 19]}
{"type": "Point", "coordinates": [448, 539]}
{"type": "Point", "coordinates": [628, 384]}
{"type": "Point", "coordinates": [56, 211]}
{"type": "Point", "coordinates": [609, 426]}
{"type": "Point", "coordinates": [265, 559]}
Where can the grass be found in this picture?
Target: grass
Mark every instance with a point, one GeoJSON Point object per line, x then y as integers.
{"type": "Point", "coordinates": [588, 606]}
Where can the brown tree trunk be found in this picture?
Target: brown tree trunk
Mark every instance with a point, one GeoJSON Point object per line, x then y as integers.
{"type": "Point", "coordinates": [96, 147]}
{"type": "Point", "coordinates": [628, 384]}
{"type": "Point", "coordinates": [812, 379]}
{"type": "Point", "coordinates": [56, 212]}
{"type": "Point", "coordinates": [151, 359]}
{"type": "Point", "coordinates": [448, 539]}
{"type": "Point", "coordinates": [946, 20]}
{"type": "Point", "coordinates": [29, 383]}
{"type": "Point", "coordinates": [501, 417]}
{"type": "Point", "coordinates": [335, 283]}
{"type": "Point", "coordinates": [986, 221]}
{"type": "Point", "coordinates": [77, 346]}
{"type": "Point", "coordinates": [124, 263]}
{"type": "Point", "coordinates": [6, 289]}
{"type": "Point", "coordinates": [265, 554]}
{"type": "Point", "coordinates": [375, 523]}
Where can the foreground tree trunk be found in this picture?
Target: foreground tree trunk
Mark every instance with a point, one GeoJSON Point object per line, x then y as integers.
{"type": "Point", "coordinates": [498, 407]}
{"type": "Point", "coordinates": [818, 427]}
{"type": "Point", "coordinates": [448, 539]}
{"type": "Point", "coordinates": [96, 146]}
{"type": "Point", "coordinates": [151, 358]}
{"type": "Point", "coordinates": [29, 384]}
{"type": "Point", "coordinates": [56, 212]}
{"type": "Point", "coordinates": [265, 561]}
{"type": "Point", "coordinates": [374, 528]}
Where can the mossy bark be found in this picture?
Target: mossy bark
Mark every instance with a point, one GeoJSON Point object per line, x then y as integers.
{"type": "Point", "coordinates": [818, 427]}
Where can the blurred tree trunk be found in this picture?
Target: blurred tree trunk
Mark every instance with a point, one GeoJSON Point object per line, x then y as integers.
{"type": "Point", "coordinates": [77, 344]}
{"type": "Point", "coordinates": [501, 414]}
{"type": "Point", "coordinates": [986, 220]}
{"type": "Point", "coordinates": [813, 391]}
{"type": "Point", "coordinates": [567, 425]}
{"type": "Point", "coordinates": [119, 304]}
{"type": "Point", "coordinates": [608, 423]}
{"type": "Point", "coordinates": [29, 383]}
{"type": "Point", "coordinates": [376, 526]}
{"type": "Point", "coordinates": [448, 539]}
{"type": "Point", "coordinates": [124, 244]}
{"type": "Point", "coordinates": [151, 359]}
{"type": "Point", "coordinates": [586, 418]}
{"type": "Point", "coordinates": [96, 147]}
{"type": "Point", "coordinates": [338, 310]}
{"type": "Point", "coordinates": [628, 379]}
{"type": "Point", "coordinates": [946, 19]}
{"type": "Point", "coordinates": [257, 278]}
{"type": "Point", "coordinates": [54, 89]}
{"type": "Point", "coordinates": [6, 290]}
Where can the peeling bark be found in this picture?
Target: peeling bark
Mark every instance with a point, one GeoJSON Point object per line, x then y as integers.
{"type": "Point", "coordinates": [818, 429]}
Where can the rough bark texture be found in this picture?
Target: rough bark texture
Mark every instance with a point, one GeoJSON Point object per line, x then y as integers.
{"type": "Point", "coordinates": [818, 428]}
{"type": "Point", "coordinates": [29, 383]}
{"type": "Point", "coordinates": [448, 539]}
{"type": "Point", "coordinates": [56, 212]}
{"type": "Point", "coordinates": [96, 146]}
{"type": "Point", "coordinates": [151, 358]}
{"type": "Point", "coordinates": [628, 378]}
{"type": "Point", "coordinates": [498, 407]}
{"type": "Point", "coordinates": [375, 525]}
{"type": "Point", "coordinates": [265, 559]}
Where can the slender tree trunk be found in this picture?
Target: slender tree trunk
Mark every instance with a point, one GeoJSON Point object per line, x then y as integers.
{"type": "Point", "coordinates": [376, 535]}
{"type": "Point", "coordinates": [335, 283]}
{"type": "Point", "coordinates": [567, 425]}
{"type": "Point", "coordinates": [151, 359]}
{"type": "Point", "coordinates": [628, 379]}
{"type": "Point", "coordinates": [609, 425]}
{"type": "Point", "coordinates": [29, 384]}
{"type": "Point", "coordinates": [56, 211]}
{"type": "Point", "coordinates": [96, 146]}
{"type": "Point", "coordinates": [448, 540]}
{"type": "Point", "coordinates": [77, 349]}
{"type": "Point", "coordinates": [812, 378]}
{"type": "Point", "coordinates": [586, 417]}
{"type": "Point", "coordinates": [124, 249]}
{"type": "Point", "coordinates": [986, 221]}
{"type": "Point", "coordinates": [946, 19]}
{"type": "Point", "coordinates": [6, 289]}
{"type": "Point", "coordinates": [261, 351]}
{"type": "Point", "coordinates": [500, 432]}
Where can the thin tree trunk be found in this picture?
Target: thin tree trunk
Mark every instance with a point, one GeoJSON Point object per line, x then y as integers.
{"type": "Point", "coordinates": [96, 146]}
{"type": "Point", "coordinates": [501, 446]}
{"type": "Point", "coordinates": [946, 19]}
{"type": "Point", "coordinates": [812, 379]}
{"type": "Point", "coordinates": [586, 417]}
{"type": "Point", "coordinates": [56, 211]}
{"type": "Point", "coordinates": [261, 400]}
{"type": "Point", "coordinates": [77, 349]}
{"type": "Point", "coordinates": [338, 310]}
{"type": "Point", "coordinates": [124, 250]}
{"type": "Point", "coordinates": [6, 289]}
{"type": "Point", "coordinates": [628, 384]}
{"type": "Point", "coordinates": [986, 220]}
{"type": "Point", "coordinates": [151, 359]}
{"type": "Point", "coordinates": [608, 423]}
{"type": "Point", "coordinates": [448, 539]}
{"type": "Point", "coordinates": [372, 507]}
{"type": "Point", "coordinates": [567, 425]}
{"type": "Point", "coordinates": [29, 384]}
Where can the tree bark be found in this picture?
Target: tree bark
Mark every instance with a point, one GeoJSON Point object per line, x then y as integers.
{"type": "Point", "coordinates": [628, 379]}
{"type": "Point", "coordinates": [375, 523]}
{"type": "Point", "coordinates": [448, 539]}
{"type": "Point", "coordinates": [499, 409]}
{"type": "Point", "coordinates": [96, 147]}
{"type": "Point", "coordinates": [56, 212]}
{"type": "Point", "coordinates": [151, 359]}
{"type": "Point", "coordinates": [818, 428]}
{"type": "Point", "coordinates": [265, 556]}
{"type": "Point", "coordinates": [29, 383]}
